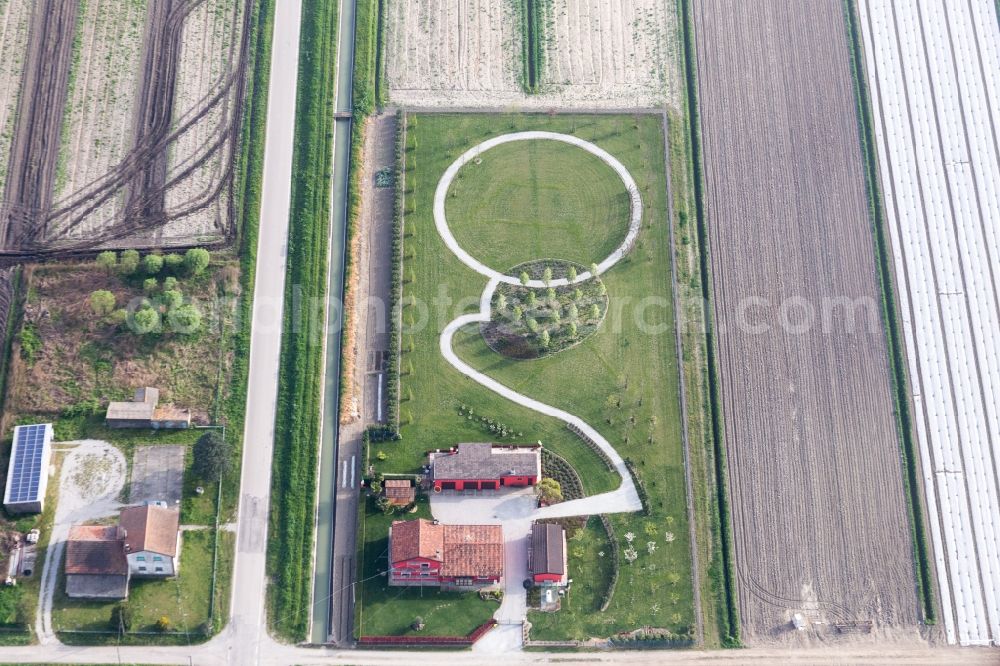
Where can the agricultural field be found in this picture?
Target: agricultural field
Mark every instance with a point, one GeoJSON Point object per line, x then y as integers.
{"type": "Point", "coordinates": [934, 73]}
{"type": "Point", "coordinates": [15, 22]}
{"type": "Point", "coordinates": [819, 503]}
{"type": "Point", "coordinates": [213, 28]}
{"type": "Point", "coordinates": [100, 106]}
{"type": "Point", "coordinates": [125, 131]}
{"type": "Point", "coordinates": [606, 379]}
{"type": "Point", "coordinates": [594, 54]}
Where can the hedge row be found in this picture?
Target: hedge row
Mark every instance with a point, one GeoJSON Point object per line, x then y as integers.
{"type": "Point", "coordinates": [395, 298]}
{"type": "Point", "coordinates": [890, 316]}
{"type": "Point", "coordinates": [609, 593]}
{"type": "Point", "coordinates": [640, 486]}
{"type": "Point", "coordinates": [532, 28]}
{"type": "Point", "coordinates": [301, 379]}
{"type": "Point", "coordinates": [426, 641]}
{"type": "Point", "coordinates": [556, 467]}
{"type": "Point", "coordinates": [593, 446]}
{"type": "Point", "coordinates": [729, 625]}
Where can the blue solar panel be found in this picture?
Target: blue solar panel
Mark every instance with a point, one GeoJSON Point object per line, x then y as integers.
{"type": "Point", "coordinates": [26, 472]}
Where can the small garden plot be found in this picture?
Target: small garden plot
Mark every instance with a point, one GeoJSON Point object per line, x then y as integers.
{"type": "Point", "coordinates": [530, 323]}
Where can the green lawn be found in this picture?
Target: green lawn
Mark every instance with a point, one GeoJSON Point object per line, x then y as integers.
{"type": "Point", "coordinates": [381, 610]}
{"type": "Point", "coordinates": [623, 380]}
{"type": "Point", "coordinates": [554, 201]}
{"type": "Point", "coordinates": [184, 599]}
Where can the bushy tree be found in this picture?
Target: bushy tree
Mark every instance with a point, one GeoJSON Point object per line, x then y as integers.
{"type": "Point", "coordinates": [501, 302]}
{"type": "Point", "coordinates": [173, 262]}
{"type": "Point", "coordinates": [196, 260]}
{"type": "Point", "coordinates": [525, 278]}
{"type": "Point", "coordinates": [121, 618]}
{"type": "Point", "coordinates": [517, 313]}
{"type": "Point", "coordinates": [163, 624]}
{"type": "Point", "coordinates": [212, 456]}
{"type": "Point", "coordinates": [593, 270]}
{"type": "Point", "coordinates": [547, 275]}
{"type": "Point", "coordinates": [172, 299]}
{"type": "Point", "coordinates": [571, 274]}
{"type": "Point", "coordinates": [572, 329]}
{"type": "Point", "coordinates": [129, 262]}
{"type": "Point", "coordinates": [150, 285]}
{"type": "Point", "coordinates": [601, 289]}
{"type": "Point", "coordinates": [152, 264]}
{"type": "Point", "coordinates": [549, 490]}
{"type": "Point", "coordinates": [532, 324]}
{"type": "Point", "coordinates": [185, 319]}
{"type": "Point", "coordinates": [546, 340]}
{"type": "Point", "coordinates": [107, 260]}
{"type": "Point", "coordinates": [595, 311]}
{"type": "Point", "coordinates": [573, 312]}
{"type": "Point", "coordinates": [118, 317]}
{"type": "Point", "coordinates": [145, 320]}
{"type": "Point", "coordinates": [102, 302]}
{"type": "Point", "coordinates": [170, 283]}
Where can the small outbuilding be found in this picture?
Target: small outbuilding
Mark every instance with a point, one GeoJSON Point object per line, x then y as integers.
{"type": "Point", "coordinates": [399, 492]}
{"type": "Point", "coordinates": [484, 466]}
{"type": "Point", "coordinates": [96, 565]}
{"type": "Point", "coordinates": [145, 411]}
{"type": "Point", "coordinates": [547, 554]}
{"type": "Point", "coordinates": [28, 470]}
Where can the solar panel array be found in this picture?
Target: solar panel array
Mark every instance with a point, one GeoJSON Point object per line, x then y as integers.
{"type": "Point", "coordinates": [26, 475]}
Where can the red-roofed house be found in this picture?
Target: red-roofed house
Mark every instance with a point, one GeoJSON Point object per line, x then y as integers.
{"type": "Point", "coordinates": [485, 466]}
{"type": "Point", "coordinates": [422, 552]}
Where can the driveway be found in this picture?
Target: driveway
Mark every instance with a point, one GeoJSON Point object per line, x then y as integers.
{"type": "Point", "coordinates": [157, 474]}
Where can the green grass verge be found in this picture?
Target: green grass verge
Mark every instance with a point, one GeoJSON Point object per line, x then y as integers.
{"type": "Point", "coordinates": [890, 316]}
{"type": "Point", "coordinates": [623, 380]}
{"type": "Point", "coordinates": [729, 623]}
{"type": "Point", "coordinates": [381, 610]}
{"type": "Point", "coordinates": [298, 419]}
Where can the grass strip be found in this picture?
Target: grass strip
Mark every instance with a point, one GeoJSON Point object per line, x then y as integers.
{"type": "Point", "coordinates": [890, 315]}
{"type": "Point", "coordinates": [730, 628]}
{"type": "Point", "coordinates": [298, 419]}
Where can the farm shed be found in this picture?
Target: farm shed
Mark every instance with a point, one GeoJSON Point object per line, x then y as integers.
{"type": "Point", "coordinates": [547, 554]}
{"type": "Point", "coordinates": [145, 411]}
{"type": "Point", "coordinates": [484, 466]}
{"type": "Point", "coordinates": [96, 566]}
{"type": "Point", "coordinates": [399, 492]}
{"type": "Point", "coordinates": [28, 471]}
{"type": "Point", "coordinates": [424, 552]}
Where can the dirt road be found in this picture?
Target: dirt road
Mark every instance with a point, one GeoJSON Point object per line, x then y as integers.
{"type": "Point", "coordinates": [820, 521]}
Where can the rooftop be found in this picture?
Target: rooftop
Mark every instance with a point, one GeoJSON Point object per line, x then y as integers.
{"type": "Point", "coordinates": [463, 550]}
{"type": "Point", "coordinates": [547, 549]}
{"type": "Point", "coordinates": [29, 455]}
{"type": "Point", "coordinates": [150, 528]}
{"type": "Point", "coordinates": [96, 550]}
{"type": "Point", "coordinates": [141, 407]}
{"type": "Point", "coordinates": [486, 461]}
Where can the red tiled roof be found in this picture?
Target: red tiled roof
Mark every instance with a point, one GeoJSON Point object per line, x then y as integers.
{"type": "Point", "coordinates": [97, 550]}
{"type": "Point", "coordinates": [150, 528]}
{"type": "Point", "coordinates": [463, 550]}
{"type": "Point", "coordinates": [400, 491]}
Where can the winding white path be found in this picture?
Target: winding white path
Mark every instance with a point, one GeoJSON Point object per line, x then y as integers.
{"type": "Point", "coordinates": [625, 498]}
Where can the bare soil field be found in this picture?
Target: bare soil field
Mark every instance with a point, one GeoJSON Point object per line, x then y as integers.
{"type": "Point", "coordinates": [820, 519]}
{"type": "Point", "coordinates": [104, 81]}
{"type": "Point", "coordinates": [15, 22]}
{"type": "Point", "coordinates": [598, 54]}
{"type": "Point", "coordinates": [210, 53]}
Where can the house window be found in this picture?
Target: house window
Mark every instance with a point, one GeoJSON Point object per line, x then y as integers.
{"type": "Point", "coordinates": [142, 568]}
{"type": "Point", "coordinates": [425, 565]}
{"type": "Point", "coordinates": [424, 574]}
{"type": "Point", "coordinates": [159, 569]}
{"type": "Point", "coordinates": [141, 558]}
{"type": "Point", "coordinates": [157, 558]}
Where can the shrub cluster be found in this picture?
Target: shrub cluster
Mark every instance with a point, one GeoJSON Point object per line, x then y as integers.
{"type": "Point", "coordinates": [609, 593]}
{"type": "Point", "coordinates": [558, 468]}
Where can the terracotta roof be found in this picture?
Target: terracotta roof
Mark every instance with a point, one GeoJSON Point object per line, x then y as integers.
{"type": "Point", "coordinates": [399, 491]}
{"type": "Point", "coordinates": [415, 538]}
{"type": "Point", "coordinates": [547, 549]}
{"type": "Point", "coordinates": [150, 528]}
{"type": "Point", "coordinates": [473, 550]}
{"type": "Point", "coordinates": [463, 550]}
{"type": "Point", "coordinates": [96, 550]}
{"type": "Point", "coordinates": [486, 461]}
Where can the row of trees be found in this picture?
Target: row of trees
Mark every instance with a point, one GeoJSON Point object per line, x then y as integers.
{"type": "Point", "coordinates": [129, 262]}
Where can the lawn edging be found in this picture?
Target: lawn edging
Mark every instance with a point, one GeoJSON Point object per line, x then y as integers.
{"type": "Point", "coordinates": [890, 318]}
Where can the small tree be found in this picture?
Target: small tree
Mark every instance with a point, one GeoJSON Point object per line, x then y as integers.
{"type": "Point", "coordinates": [173, 262]}
{"type": "Point", "coordinates": [546, 340]}
{"type": "Point", "coordinates": [185, 319]}
{"type": "Point", "coordinates": [169, 283]}
{"type": "Point", "coordinates": [556, 317]}
{"type": "Point", "coordinates": [146, 320]}
{"type": "Point", "coordinates": [547, 275]}
{"type": "Point", "coordinates": [163, 624]}
{"type": "Point", "coordinates": [572, 329]}
{"type": "Point", "coordinates": [129, 262]}
{"type": "Point", "coordinates": [532, 325]}
{"type": "Point", "coordinates": [550, 295]}
{"type": "Point", "coordinates": [501, 302]}
{"type": "Point", "coordinates": [172, 299]}
{"type": "Point", "coordinates": [118, 317]}
{"type": "Point", "coordinates": [549, 490]}
{"type": "Point", "coordinates": [121, 618]}
{"type": "Point", "coordinates": [601, 289]}
{"type": "Point", "coordinates": [595, 312]}
{"type": "Point", "coordinates": [196, 260]}
{"type": "Point", "coordinates": [150, 286]}
{"type": "Point", "coordinates": [571, 274]}
{"type": "Point", "coordinates": [107, 260]}
{"type": "Point", "coordinates": [525, 278]}
{"type": "Point", "coordinates": [573, 312]}
{"type": "Point", "coordinates": [577, 295]}
{"type": "Point", "coordinates": [152, 264]}
{"type": "Point", "coordinates": [102, 302]}
{"type": "Point", "coordinates": [517, 314]}
{"type": "Point", "coordinates": [532, 299]}
{"type": "Point", "coordinates": [212, 456]}
{"type": "Point", "coordinates": [417, 624]}
{"type": "Point", "coordinates": [593, 270]}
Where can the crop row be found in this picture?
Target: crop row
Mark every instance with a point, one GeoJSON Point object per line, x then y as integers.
{"type": "Point", "coordinates": [890, 315]}
{"type": "Point", "coordinates": [725, 582]}
{"type": "Point", "coordinates": [532, 28]}
{"type": "Point", "coordinates": [299, 386]}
